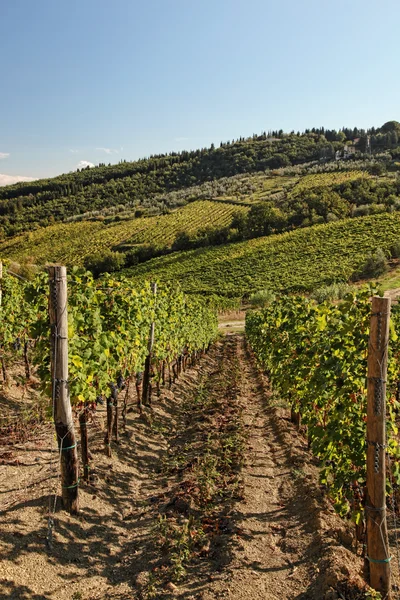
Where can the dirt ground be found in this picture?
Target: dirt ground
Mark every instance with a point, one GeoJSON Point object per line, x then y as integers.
{"type": "Point", "coordinates": [232, 322]}
{"type": "Point", "coordinates": [277, 538]}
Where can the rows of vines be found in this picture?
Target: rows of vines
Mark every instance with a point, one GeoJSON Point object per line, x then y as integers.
{"type": "Point", "coordinates": [316, 359]}
{"type": "Point", "coordinates": [300, 260]}
{"type": "Point", "coordinates": [71, 243]}
{"type": "Point", "coordinates": [109, 323]}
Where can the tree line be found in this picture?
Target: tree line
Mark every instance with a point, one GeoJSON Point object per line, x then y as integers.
{"type": "Point", "coordinates": [35, 204]}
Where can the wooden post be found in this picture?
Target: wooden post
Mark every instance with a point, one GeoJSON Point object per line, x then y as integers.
{"type": "Point", "coordinates": [138, 385]}
{"type": "Point", "coordinates": [1, 277]}
{"type": "Point", "coordinates": [375, 506]}
{"type": "Point", "coordinates": [84, 442]}
{"type": "Point", "coordinates": [126, 398]}
{"type": "Point", "coordinates": [110, 418]}
{"type": "Point", "coordinates": [26, 360]}
{"type": "Point", "coordinates": [146, 393]}
{"type": "Point", "coordinates": [62, 412]}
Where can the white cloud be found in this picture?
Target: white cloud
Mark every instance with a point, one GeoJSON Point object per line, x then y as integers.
{"type": "Point", "coordinates": [74, 151]}
{"type": "Point", "coordinates": [108, 150]}
{"type": "Point", "coordinates": [4, 154]}
{"type": "Point", "coordinates": [82, 164]}
{"type": "Point", "coordinates": [10, 179]}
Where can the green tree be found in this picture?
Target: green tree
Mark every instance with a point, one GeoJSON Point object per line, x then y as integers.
{"type": "Point", "coordinates": [264, 219]}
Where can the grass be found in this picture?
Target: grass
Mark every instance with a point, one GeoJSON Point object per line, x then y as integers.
{"type": "Point", "coordinates": [391, 280]}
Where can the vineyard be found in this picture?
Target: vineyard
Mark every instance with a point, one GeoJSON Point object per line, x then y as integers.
{"type": "Point", "coordinates": [335, 365]}
{"type": "Point", "coordinates": [309, 182]}
{"type": "Point", "coordinates": [296, 261]}
{"type": "Point", "coordinates": [177, 452]}
{"type": "Point", "coordinates": [316, 359]}
{"type": "Point", "coordinates": [108, 331]}
{"type": "Point", "coordinates": [71, 243]}
{"type": "Point", "coordinates": [108, 327]}
{"type": "Point", "coordinates": [130, 342]}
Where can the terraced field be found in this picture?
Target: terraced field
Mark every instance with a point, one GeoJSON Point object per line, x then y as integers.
{"type": "Point", "coordinates": [70, 243]}
{"type": "Point", "coordinates": [299, 260]}
{"type": "Point", "coordinates": [258, 187]}
{"type": "Point", "coordinates": [309, 182]}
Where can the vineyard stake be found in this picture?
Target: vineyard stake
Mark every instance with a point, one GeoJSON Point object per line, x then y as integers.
{"type": "Point", "coordinates": [110, 419]}
{"type": "Point", "coordinates": [84, 442]}
{"type": "Point", "coordinates": [62, 412]}
{"type": "Point", "coordinates": [375, 507]}
{"type": "Point", "coordinates": [146, 393]}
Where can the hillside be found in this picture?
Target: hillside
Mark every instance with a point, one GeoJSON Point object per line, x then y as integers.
{"type": "Point", "coordinates": [25, 206]}
{"type": "Point", "coordinates": [297, 260]}
{"type": "Point", "coordinates": [214, 213]}
{"type": "Point", "coordinates": [71, 243]}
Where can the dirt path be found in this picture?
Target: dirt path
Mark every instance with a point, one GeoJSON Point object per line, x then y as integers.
{"type": "Point", "coordinates": [176, 497]}
{"type": "Point", "coordinates": [290, 540]}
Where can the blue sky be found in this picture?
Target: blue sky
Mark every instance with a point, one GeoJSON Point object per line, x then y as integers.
{"type": "Point", "coordinates": [100, 81]}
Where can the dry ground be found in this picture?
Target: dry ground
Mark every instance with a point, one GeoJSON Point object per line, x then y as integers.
{"type": "Point", "coordinates": [275, 537]}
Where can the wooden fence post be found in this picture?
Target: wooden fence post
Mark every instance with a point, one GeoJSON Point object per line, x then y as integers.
{"type": "Point", "coordinates": [62, 412]}
{"type": "Point", "coordinates": [375, 507]}
{"type": "Point", "coordinates": [146, 393]}
{"type": "Point", "coordinates": [83, 421]}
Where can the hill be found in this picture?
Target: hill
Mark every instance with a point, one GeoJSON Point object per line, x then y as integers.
{"type": "Point", "coordinates": [71, 243]}
{"type": "Point", "coordinates": [300, 260]}
{"type": "Point", "coordinates": [25, 206]}
{"type": "Point", "coordinates": [225, 210]}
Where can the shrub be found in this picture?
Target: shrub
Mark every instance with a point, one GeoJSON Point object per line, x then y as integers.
{"type": "Point", "coordinates": [104, 262]}
{"type": "Point", "coordinates": [395, 250]}
{"type": "Point", "coordinates": [261, 298]}
{"type": "Point", "coordinates": [335, 291]}
{"type": "Point", "coordinates": [361, 211]}
{"type": "Point", "coordinates": [374, 266]}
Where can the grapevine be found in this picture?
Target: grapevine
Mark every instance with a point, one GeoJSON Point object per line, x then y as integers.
{"type": "Point", "coordinates": [316, 358]}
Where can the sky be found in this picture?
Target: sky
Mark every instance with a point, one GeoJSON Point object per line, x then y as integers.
{"type": "Point", "coordinates": [90, 81]}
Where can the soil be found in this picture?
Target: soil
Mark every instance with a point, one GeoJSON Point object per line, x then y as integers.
{"type": "Point", "coordinates": [232, 322]}
{"type": "Point", "coordinates": [279, 538]}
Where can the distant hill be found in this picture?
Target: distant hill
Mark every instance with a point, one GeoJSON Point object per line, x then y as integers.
{"type": "Point", "coordinates": [238, 208]}
{"type": "Point", "coordinates": [25, 206]}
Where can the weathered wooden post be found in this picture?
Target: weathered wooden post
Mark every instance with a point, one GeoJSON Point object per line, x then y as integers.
{"type": "Point", "coordinates": [62, 412]}
{"type": "Point", "coordinates": [84, 442]}
{"type": "Point", "coordinates": [110, 418]}
{"type": "Point", "coordinates": [146, 390]}
{"type": "Point", "coordinates": [375, 507]}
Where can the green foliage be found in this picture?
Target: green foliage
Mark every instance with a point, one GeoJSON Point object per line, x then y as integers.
{"type": "Point", "coordinates": [301, 260]}
{"type": "Point", "coordinates": [104, 262]}
{"type": "Point", "coordinates": [316, 358]}
{"type": "Point", "coordinates": [335, 291]}
{"type": "Point", "coordinates": [377, 169]}
{"type": "Point", "coordinates": [139, 239]}
{"type": "Point", "coordinates": [108, 327]}
{"type": "Point", "coordinates": [395, 250]}
{"type": "Point", "coordinates": [264, 219]}
{"type": "Point", "coordinates": [390, 126]}
{"type": "Point", "coordinates": [27, 205]}
{"type": "Point", "coordinates": [261, 298]}
{"type": "Point", "coordinates": [375, 265]}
